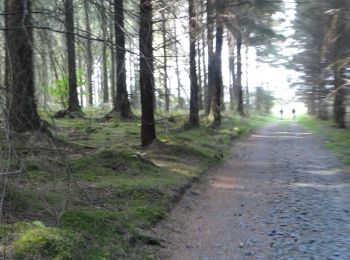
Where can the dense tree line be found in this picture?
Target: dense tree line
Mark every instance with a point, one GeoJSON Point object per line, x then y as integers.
{"type": "Point", "coordinates": [322, 33]}
{"type": "Point", "coordinates": [85, 54]}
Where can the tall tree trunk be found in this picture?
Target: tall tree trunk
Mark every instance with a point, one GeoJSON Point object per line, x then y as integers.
{"type": "Point", "coordinates": [311, 101]}
{"type": "Point", "coordinates": [148, 130]}
{"type": "Point", "coordinates": [194, 106]}
{"type": "Point", "coordinates": [7, 58]}
{"type": "Point", "coordinates": [44, 75]}
{"type": "Point", "coordinates": [205, 73]}
{"type": "Point", "coordinates": [52, 56]}
{"type": "Point", "coordinates": [122, 100]}
{"type": "Point", "coordinates": [341, 49]}
{"type": "Point", "coordinates": [104, 64]}
{"type": "Point", "coordinates": [200, 82]}
{"type": "Point", "coordinates": [215, 107]}
{"type": "Point", "coordinates": [239, 97]}
{"type": "Point", "coordinates": [22, 109]}
{"type": "Point", "coordinates": [177, 68]}
{"type": "Point", "coordinates": [73, 101]}
{"type": "Point", "coordinates": [105, 36]}
{"type": "Point", "coordinates": [339, 99]}
{"type": "Point", "coordinates": [231, 62]}
{"type": "Point", "coordinates": [247, 77]}
{"type": "Point", "coordinates": [165, 64]}
{"type": "Point", "coordinates": [211, 63]}
{"type": "Point", "coordinates": [81, 89]}
{"type": "Point", "coordinates": [1, 66]}
{"type": "Point", "coordinates": [89, 58]}
{"type": "Point", "coordinates": [323, 106]}
{"type": "Point", "coordinates": [113, 68]}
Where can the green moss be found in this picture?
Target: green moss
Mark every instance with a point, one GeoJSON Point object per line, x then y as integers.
{"type": "Point", "coordinates": [43, 243]}
{"type": "Point", "coordinates": [118, 191]}
{"type": "Point", "coordinates": [100, 232]}
{"type": "Point", "coordinates": [106, 234]}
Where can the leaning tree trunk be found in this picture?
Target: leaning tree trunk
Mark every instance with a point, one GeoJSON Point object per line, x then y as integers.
{"type": "Point", "coordinates": [22, 110]}
{"type": "Point", "coordinates": [122, 100]}
{"type": "Point", "coordinates": [73, 101]}
{"type": "Point", "coordinates": [148, 130]}
{"type": "Point", "coordinates": [239, 92]}
{"type": "Point", "coordinates": [194, 105]}
{"type": "Point", "coordinates": [215, 106]}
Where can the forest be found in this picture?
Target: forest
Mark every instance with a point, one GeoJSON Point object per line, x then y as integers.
{"type": "Point", "coordinates": [111, 109]}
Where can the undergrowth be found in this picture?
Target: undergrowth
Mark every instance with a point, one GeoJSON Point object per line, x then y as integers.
{"type": "Point", "coordinates": [113, 190]}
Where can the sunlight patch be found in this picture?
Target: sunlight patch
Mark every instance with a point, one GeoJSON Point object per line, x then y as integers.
{"type": "Point", "coordinates": [291, 133]}
{"type": "Point", "coordinates": [224, 182]}
{"type": "Point", "coordinates": [325, 172]}
{"type": "Point", "coordinates": [279, 136]}
{"type": "Point", "coordinates": [321, 186]}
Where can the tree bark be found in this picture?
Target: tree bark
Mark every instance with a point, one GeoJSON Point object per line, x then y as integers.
{"type": "Point", "coordinates": [239, 97]}
{"type": "Point", "coordinates": [194, 106]}
{"type": "Point", "coordinates": [231, 61]}
{"type": "Point", "coordinates": [45, 73]}
{"type": "Point", "coordinates": [113, 66]}
{"type": "Point", "coordinates": [339, 99]}
{"type": "Point", "coordinates": [205, 73]}
{"type": "Point", "coordinates": [148, 131]}
{"type": "Point", "coordinates": [322, 105]}
{"type": "Point", "coordinates": [122, 100]}
{"type": "Point", "coordinates": [247, 77]}
{"type": "Point", "coordinates": [341, 48]}
{"type": "Point", "coordinates": [210, 43]}
{"type": "Point", "coordinates": [177, 68]}
{"type": "Point", "coordinates": [200, 82]}
{"type": "Point", "coordinates": [215, 106]}
{"type": "Point", "coordinates": [89, 58]}
{"type": "Point", "coordinates": [73, 101]}
{"type": "Point", "coordinates": [7, 58]}
{"type": "Point", "coordinates": [22, 109]}
{"type": "Point", "coordinates": [105, 85]}
{"type": "Point", "coordinates": [165, 63]}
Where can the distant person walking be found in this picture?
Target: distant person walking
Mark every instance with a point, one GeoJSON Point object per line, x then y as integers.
{"type": "Point", "coordinates": [281, 112]}
{"type": "Point", "coordinates": [293, 111]}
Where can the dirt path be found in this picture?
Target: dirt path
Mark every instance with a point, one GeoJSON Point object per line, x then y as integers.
{"type": "Point", "coordinates": [281, 196]}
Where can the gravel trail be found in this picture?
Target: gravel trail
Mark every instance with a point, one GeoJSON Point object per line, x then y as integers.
{"type": "Point", "coordinates": [282, 195]}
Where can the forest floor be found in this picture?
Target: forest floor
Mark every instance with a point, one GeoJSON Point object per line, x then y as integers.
{"type": "Point", "coordinates": [92, 192]}
{"type": "Point", "coordinates": [281, 195]}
